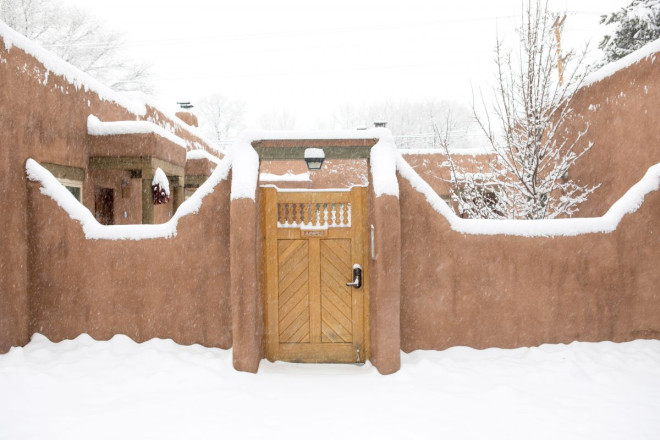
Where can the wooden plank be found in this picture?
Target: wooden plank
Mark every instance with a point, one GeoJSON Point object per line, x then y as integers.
{"type": "Point", "coordinates": [317, 353]}
{"type": "Point", "coordinates": [314, 290]}
{"type": "Point", "coordinates": [269, 231]}
{"type": "Point", "coordinates": [358, 250]}
{"type": "Point", "coordinates": [288, 330]}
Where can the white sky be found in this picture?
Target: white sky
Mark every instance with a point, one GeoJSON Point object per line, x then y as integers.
{"type": "Point", "coordinates": [296, 57]}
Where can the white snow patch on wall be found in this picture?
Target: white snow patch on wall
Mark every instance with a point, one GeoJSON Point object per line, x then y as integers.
{"type": "Point", "coordinates": [71, 74]}
{"type": "Point", "coordinates": [93, 230]}
{"type": "Point", "coordinates": [610, 69]}
{"type": "Point", "coordinates": [627, 204]}
{"type": "Point", "coordinates": [288, 177]}
{"type": "Point", "coordinates": [95, 127]}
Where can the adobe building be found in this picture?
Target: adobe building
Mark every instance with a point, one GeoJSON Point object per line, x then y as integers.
{"type": "Point", "coordinates": [258, 251]}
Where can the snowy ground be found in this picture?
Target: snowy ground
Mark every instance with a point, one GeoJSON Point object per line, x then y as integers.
{"type": "Point", "coordinates": [83, 389]}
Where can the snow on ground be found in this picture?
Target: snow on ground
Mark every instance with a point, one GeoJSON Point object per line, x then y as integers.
{"type": "Point", "coordinates": [83, 389]}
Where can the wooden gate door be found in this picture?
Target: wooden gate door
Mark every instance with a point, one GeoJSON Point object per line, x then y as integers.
{"type": "Point", "coordinates": [312, 243]}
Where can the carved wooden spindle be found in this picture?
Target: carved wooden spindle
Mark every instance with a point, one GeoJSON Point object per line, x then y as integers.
{"type": "Point", "coordinates": [331, 214]}
{"type": "Point", "coordinates": [304, 216]}
{"type": "Point", "coordinates": [315, 214]}
{"type": "Point", "coordinates": [289, 213]}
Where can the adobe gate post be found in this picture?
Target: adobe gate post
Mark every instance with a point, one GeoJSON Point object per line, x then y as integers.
{"type": "Point", "coordinates": [385, 265]}
{"type": "Point", "coordinates": [244, 263]}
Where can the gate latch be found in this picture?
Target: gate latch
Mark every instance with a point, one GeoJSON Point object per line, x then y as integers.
{"type": "Point", "coordinates": [357, 277]}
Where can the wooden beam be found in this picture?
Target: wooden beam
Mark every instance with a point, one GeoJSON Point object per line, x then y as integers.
{"type": "Point", "coordinates": [298, 153]}
{"type": "Point", "coordinates": [65, 171]}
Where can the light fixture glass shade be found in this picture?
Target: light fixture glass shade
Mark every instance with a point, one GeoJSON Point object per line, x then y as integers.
{"type": "Point", "coordinates": [314, 163]}
{"type": "Point", "coordinates": [314, 158]}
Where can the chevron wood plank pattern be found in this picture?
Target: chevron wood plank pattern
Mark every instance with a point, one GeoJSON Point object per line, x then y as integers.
{"type": "Point", "coordinates": [336, 270]}
{"type": "Point", "coordinates": [293, 282]}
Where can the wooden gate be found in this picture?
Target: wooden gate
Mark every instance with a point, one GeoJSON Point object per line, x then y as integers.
{"type": "Point", "coordinates": [312, 242]}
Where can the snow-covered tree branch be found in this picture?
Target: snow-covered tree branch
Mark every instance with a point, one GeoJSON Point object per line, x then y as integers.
{"type": "Point", "coordinates": [528, 176]}
{"type": "Point", "coordinates": [630, 28]}
{"type": "Point", "coordinates": [78, 38]}
{"type": "Point", "coordinates": [221, 118]}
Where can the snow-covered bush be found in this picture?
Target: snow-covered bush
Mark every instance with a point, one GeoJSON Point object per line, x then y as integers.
{"type": "Point", "coordinates": [630, 28]}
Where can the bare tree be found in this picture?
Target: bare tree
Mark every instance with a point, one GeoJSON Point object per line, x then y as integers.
{"type": "Point", "coordinates": [532, 152]}
{"type": "Point", "coordinates": [220, 118]}
{"type": "Point", "coordinates": [78, 38]}
{"type": "Point", "coordinates": [413, 122]}
{"type": "Point", "coordinates": [278, 119]}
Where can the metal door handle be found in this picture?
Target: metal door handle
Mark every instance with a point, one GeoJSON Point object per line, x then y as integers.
{"type": "Point", "coordinates": [357, 277]}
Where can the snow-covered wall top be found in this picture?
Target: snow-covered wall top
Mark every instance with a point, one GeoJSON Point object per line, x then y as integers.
{"type": "Point", "coordinates": [52, 188]}
{"type": "Point", "coordinates": [266, 135]}
{"type": "Point", "coordinates": [649, 50]}
{"type": "Point", "coordinates": [71, 74]}
{"type": "Point", "coordinates": [95, 127]}
{"type": "Point", "coordinates": [627, 204]}
{"type": "Point", "coordinates": [383, 166]}
{"type": "Point", "coordinates": [202, 154]}
{"type": "Point", "coordinates": [453, 152]}
{"type": "Point", "coordinates": [134, 102]}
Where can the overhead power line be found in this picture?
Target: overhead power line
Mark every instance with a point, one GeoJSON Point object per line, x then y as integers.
{"type": "Point", "coordinates": [305, 32]}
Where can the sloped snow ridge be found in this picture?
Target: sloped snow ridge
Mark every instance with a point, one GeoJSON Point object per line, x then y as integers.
{"type": "Point", "coordinates": [93, 230]}
{"type": "Point", "coordinates": [627, 204]}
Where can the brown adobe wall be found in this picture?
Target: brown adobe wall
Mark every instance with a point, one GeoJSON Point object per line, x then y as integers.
{"type": "Point", "coordinates": [624, 128]}
{"type": "Point", "coordinates": [435, 171]}
{"type": "Point", "coordinates": [335, 173]}
{"type": "Point", "coordinates": [47, 122]}
{"type": "Point", "coordinates": [506, 291]}
{"type": "Point", "coordinates": [44, 117]}
{"type": "Point", "coordinates": [168, 288]}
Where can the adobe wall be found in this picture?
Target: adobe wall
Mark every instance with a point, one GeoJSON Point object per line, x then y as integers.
{"type": "Point", "coordinates": [47, 122]}
{"type": "Point", "coordinates": [44, 117]}
{"type": "Point", "coordinates": [623, 114]}
{"type": "Point", "coordinates": [507, 291]}
{"type": "Point", "coordinates": [168, 288]}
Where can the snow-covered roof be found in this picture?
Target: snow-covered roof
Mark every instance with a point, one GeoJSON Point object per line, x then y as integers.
{"type": "Point", "coordinates": [70, 73]}
{"type": "Point", "coordinates": [134, 102]}
{"type": "Point", "coordinates": [610, 69]}
{"type": "Point", "coordinates": [202, 154]}
{"type": "Point", "coordinates": [96, 127]}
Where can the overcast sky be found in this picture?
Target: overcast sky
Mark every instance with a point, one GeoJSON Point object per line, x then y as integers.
{"type": "Point", "coordinates": [310, 59]}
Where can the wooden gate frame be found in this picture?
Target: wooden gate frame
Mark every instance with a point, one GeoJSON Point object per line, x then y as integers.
{"type": "Point", "coordinates": [357, 351]}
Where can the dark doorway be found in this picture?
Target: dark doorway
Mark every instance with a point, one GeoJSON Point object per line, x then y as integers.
{"type": "Point", "coordinates": [104, 200]}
